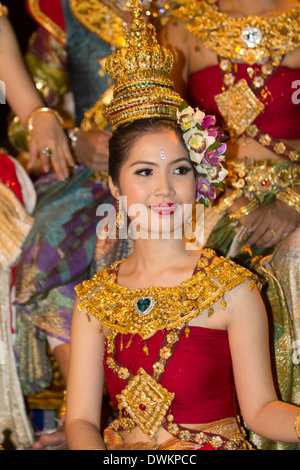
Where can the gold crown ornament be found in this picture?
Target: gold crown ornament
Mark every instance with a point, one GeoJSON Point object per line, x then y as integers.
{"type": "Point", "coordinates": [141, 73]}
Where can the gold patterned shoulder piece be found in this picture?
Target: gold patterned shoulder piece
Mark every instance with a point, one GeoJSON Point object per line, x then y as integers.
{"type": "Point", "coordinates": [3, 10]}
{"type": "Point", "coordinates": [100, 20]}
{"type": "Point", "coordinates": [44, 20]}
{"type": "Point", "coordinates": [229, 274]}
{"type": "Point", "coordinates": [250, 39]}
{"type": "Point", "coordinates": [146, 311]}
{"type": "Point", "coordinates": [87, 287]}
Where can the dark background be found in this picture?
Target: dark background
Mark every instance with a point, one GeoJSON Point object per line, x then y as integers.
{"type": "Point", "coordinates": [23, 26]}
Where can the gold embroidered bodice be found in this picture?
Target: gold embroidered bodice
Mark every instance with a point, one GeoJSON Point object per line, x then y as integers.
{"type": "Point", "coordinates": [146, 311]}
{"type": "Point", "coordinates": [251, 39]}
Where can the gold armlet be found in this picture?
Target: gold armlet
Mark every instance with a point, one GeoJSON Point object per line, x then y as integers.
{"type": "Point", "coordinates": [228, 201]}
{"type": "Point", "coordinates": [291, 198]}
{"type": "Point", "coordinates": [29, 124]}
{"type": "Point", "coordinates": [297, 426]}
{"type": "Point", "coordinates": [245, 210]}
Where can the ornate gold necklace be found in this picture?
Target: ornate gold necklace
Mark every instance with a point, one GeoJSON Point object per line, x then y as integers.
{"type": "Point", "coordinates": [251, 39]}
{"type": "Point", "coordinates": [146, 311]}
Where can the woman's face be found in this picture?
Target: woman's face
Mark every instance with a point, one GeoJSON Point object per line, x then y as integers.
{"type": "Point", "coordinates": [158, 183]}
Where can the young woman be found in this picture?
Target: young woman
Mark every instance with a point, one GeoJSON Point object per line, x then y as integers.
{"type": "Point", "coordinates": [174, 331]}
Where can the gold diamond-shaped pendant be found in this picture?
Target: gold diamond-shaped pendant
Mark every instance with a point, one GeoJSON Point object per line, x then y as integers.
{"type": "Point", "coordinates": [146, 401]}
{"type": "Point", "coordinates": [239, 107]}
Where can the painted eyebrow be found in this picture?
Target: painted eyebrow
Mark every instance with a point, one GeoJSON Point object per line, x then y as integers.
{"type": "Point", "coordinates": [142, 162]}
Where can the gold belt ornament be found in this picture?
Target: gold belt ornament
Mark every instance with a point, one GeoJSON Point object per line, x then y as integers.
{"type": "Point", "coordinates": [146, 401]}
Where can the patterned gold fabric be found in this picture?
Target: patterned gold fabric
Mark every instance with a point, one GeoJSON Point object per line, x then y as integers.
{"type": "Point", "coordinates": [227, 428]}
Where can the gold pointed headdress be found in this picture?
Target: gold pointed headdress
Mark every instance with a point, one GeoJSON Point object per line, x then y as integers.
{"type": "Point", "coordinates": [141, 73]}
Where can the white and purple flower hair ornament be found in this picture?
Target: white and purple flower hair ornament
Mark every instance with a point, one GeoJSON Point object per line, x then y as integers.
{"type": "Point", "coordinates": [205, 142]}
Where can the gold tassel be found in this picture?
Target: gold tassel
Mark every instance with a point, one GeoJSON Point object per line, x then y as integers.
{"type": "Point", "coordinates": [129, 342]}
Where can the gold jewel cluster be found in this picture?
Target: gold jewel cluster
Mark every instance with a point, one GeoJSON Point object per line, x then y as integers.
{"type": "Point", "coordinates": [261, 178]}
{"type": "Point", "coordinates": [141, 74]}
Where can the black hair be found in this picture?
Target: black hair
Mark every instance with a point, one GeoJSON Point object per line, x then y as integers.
{"type": "Point", "coordinates": [123, 139]}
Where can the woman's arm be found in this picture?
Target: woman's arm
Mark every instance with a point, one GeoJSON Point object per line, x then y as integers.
{"type": "Point", "coordinates": [24, 99]}
{"type": "Point", "coordinates": [85, 384]}
{"type": "Point", "coordinates": [263, 413]}
{"type": "Point", "coordinates": [175, 37]}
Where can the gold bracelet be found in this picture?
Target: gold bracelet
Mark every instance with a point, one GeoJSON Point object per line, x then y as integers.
{"type": "Point", "coordinates": [291, 198]}
{"type": "Point", "coordinates": [297, 425]}
{"type": "Point", "coordinates": [29, 125]}
{"type": "Point", "coordinates": [228, 201]}
{"type": "Point", "coordinates": [245, 210]}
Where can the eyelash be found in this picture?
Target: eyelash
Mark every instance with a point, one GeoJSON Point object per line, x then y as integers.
{"type": "Point", "coordinates": [185, 169]}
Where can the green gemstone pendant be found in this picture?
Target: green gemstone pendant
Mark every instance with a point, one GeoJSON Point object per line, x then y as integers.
{"type": "Point", "coordinates": [144, 305]}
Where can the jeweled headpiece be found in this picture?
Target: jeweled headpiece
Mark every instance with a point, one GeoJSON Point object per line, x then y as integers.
{"type": "Point", "coordinates": [141, 73]}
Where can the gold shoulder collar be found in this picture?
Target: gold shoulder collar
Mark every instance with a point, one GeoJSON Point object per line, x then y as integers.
{"type": "Point", "coordinates": [227, 36]}
{"type": "Point", "coordinates": [47, 23]}
{"type": "Point", "coordinates": [100, 20]}
{"type": "Point", "coordinates": [146, 311]}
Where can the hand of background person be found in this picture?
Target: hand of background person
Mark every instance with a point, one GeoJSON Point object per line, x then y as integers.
{"type": "Point", "coordinates": [92, 149]}
{"type": "Point", "coordinates": [48, 133]}
{"type": "Point", "coordinates": [269, 224]}
{"type": "Point", "coordinates": [53, 441]}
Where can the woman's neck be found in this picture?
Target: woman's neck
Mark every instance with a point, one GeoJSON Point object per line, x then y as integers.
{"type": "Point", "coordinates": [154, 261]}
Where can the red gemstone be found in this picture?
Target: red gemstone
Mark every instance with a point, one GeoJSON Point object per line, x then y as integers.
{"type": "Point", "coordinates": [142, 407]}
{"type": "Point", "coordinates": [264, 183]}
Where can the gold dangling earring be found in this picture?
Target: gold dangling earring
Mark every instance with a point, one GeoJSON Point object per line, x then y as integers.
{"type": "Point", "coordinates": [120, 218]}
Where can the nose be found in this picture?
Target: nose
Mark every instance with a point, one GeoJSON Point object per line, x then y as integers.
{"type": "Point", "coordinates": [163, 185]}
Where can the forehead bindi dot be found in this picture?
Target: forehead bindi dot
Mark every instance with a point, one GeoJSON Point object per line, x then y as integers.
{"type": "Point", "coordinates": [162, 154]}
